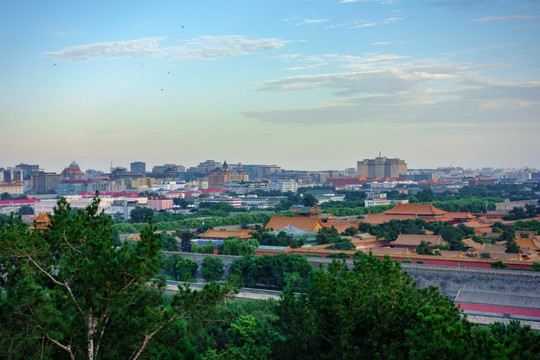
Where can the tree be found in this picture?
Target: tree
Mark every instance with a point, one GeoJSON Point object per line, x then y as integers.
{"type": "Point", "coordinates": [343, 244]}
{"type": "Point", "coordinates": [183, 203]}
{"type": "Point", "coordinates": [309, 200]}
{"type": "Point", "coordinates": [70, 292]}
{"type": "Point", "coordinates": [185, 244]}
{"type": "Point", "coordinates": [424, 249]}
{"type": "Point", "coordinates": [168, 242]}
{"type": "Point", "coordinates": [327, 235]}
{"type": "Point", "coordinates": [25, 210]}
{"type": "Point", "coordinates": [235, 246]}
{"type": "Point", "coordinates": [369, 312]}
{"type": "Point", "coordinates": [212, 268]}
{"type": "Point", "coordinates": [512, 247]}
{"type": "Point", "coordinates": [140, 214]}
{"type": "Point", "coordinates": [186, 269]}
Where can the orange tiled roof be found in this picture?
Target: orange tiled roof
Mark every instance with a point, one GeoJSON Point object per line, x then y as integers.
{"type": "Point", "coordinates": [41, 222]}
{"type": "Point", "coordinates": [224, 234]}
{"type": "Point", "coordinates": [415, 240]}
{"type": "Point", "coordinates": [300, 222]}
{"type": "Point", "coordinates": [342, 226]}
{"type": "Point", "coordinates": [376, 219]}
{"type": "Point", "coordinates": [530, 243]}
{"type": "Point", "coordinates": [415, 209]}
{"type": "Point", "coordinates": [460, 215]}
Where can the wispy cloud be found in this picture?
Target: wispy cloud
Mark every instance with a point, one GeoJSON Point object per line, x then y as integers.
{"type": "Point", "coordinates": [202, 48]}
{"type": "Point", "coordinates": [216, 47]}
{"type": "Point", "coordinates": [382, 22]}
{"type": "Point", "coordinates": [414, 92]}
{"type": "Point", "coordinates": [312, 22]}
{"type": "Point", "coordinates": [115, 49]}
{"type": "Point", "coordinates": [387, 43]}
{"type": "Point", "coordinates": [308, 67]}
{"type": "Point", "coordinates": [506, 18]}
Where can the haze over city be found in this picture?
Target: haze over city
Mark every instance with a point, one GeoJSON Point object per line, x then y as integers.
{"type": "Point", "coordinates": [302, 84]}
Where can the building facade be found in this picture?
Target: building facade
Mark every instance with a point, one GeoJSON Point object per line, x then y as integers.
{"type": "Point", "coordinates": [381, 167]}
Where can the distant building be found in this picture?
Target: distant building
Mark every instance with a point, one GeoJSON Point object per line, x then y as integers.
{"type": "Point", "coordinates": [172, 169]}
{"type": "Point", "coordinates": [160, 203]}
{"type": "Point", "coordinates": [219, 177]}
{"type": "Point", "coordinates": [381, 167]}
{"type": "Point", "coordinates": [106, 186]}
{"type": "Point", "coordinates": [45, 182]}
{"type": "Point", "coordinates": [72, 172]}
{"type": "Point", "coordinates": [481, 180]}
{"type": "Point", "coordinates": [71, 187]}
{"type": "Point", "coordinates": [138, 167]}
{"type": "Point", "coordinates": [12, 187]}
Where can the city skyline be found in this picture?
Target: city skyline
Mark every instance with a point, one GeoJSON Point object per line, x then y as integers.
{"type": "Point", "coordinates": [304, 85]}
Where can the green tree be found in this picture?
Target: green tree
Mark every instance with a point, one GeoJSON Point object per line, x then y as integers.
{"type": "Point", "coordinates": [343, 244]}
{"type": "Point", "coordinates": [235, 246]}
{"type": "Point", "coordinates": [309, 200]}
{"type": "Point", "coordinates": [370, 312]}
{"type": "Point", "coordinates": [140, 214]}
{"type": "Point", "coordinates": [212, 268]}
{"type": "Point", "coordinates": [71, 292]}
{"type": "Point", "coordinates": [185, 244]}
{"type": "Point", "coordinates": [186, 269]}
{"type": "Point", "coordinates": [424, 249]}
{"type": "Point", "coordinates": [327, 235]}
{"type": "Point", "coordinates": [168, 242]}
{"type": "Point", "coordinates": [25, 210]}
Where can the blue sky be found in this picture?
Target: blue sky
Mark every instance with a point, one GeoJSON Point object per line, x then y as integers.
{"type": "Point", "coordinates": [315, 84]}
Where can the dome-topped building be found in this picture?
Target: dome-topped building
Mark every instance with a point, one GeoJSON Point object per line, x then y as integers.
{"type": "Point", "coordinates": [72, 172]}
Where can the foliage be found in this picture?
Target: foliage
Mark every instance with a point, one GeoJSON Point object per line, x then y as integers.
{"type": "Point", "coordinates": [168, 242]}
{"type": "Point", "coordinates": [281, 239]}
{"type": "Point", "coordinates": [519, 213]}
{"type": "Point", "coordinates": [70, 292]}
{"type": "Point", "coordinates": [25, 210]}
{"type": "Point", "coordinates": [212, 268]}
{"type": "Point", "coordinates": [369, 312]}
{"type": "Point", "coordinates": [270, 270]}
{"type": "Point", "coordinates": [183, 203]}
{"type": "Point", "coordinates": [185, 243]}
{"type": "Point", "coordinates": [204, 249]}
{"type": "Point", "coordinates": [235, 246]}
{"type": "Point", "coordinates": [186, 269]}
{"type": "Point", "coordinates": [140, 214]}
{"type": "Point", "coordinates": [328, 235]}
{"type": "Point", "coordinates": [512, 247]}
{"type": "Point", "coordinates": [309, 200]}
{"type": "Point", "coordinates": [498, 265]}
{"type": "Point", "coordinates": [424, 249]}
{"type": "Point", "coordinates": [343, 244]}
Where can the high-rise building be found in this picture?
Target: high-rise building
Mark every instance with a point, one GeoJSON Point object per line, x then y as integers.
{"type": "Point", "coordinates": [381, 167]}
{"type": "Point", "coordinates": [138, 167]}
{"type": "Point", "coordinates": [45, 182]}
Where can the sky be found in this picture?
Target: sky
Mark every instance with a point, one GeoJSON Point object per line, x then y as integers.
{"type": "Point", "coordinates": [303, 84]}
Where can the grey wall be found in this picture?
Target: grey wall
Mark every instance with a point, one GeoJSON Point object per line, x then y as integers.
{"type": "Point", "coordinates": [449, 280]}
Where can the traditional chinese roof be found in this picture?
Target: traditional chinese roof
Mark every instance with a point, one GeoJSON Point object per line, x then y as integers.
{"type": "Point", "coordinates": [306, 210]}
{"type": "Point", "coordinates": [292, 230]}
{"type": "Point", "coordinates": [415, 240]}
{"type": "Point", "coordinates": [341, 226]}
{"type": "Point", "coordinates": [376, 219]}
{"type": "Point", "coordinates": [415, 209]}
{"type": "Point", "coordinates": [531, 243]}
{"type": "Point", "coordinates": [224, 234]}
{"type": "Point", "coordinates": [300, 222]}
{"type": "Point", "coordinates": [41, 222]}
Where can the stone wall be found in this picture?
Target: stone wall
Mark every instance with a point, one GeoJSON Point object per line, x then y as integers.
{"type": "Point", "coordinates": [449, 280]}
